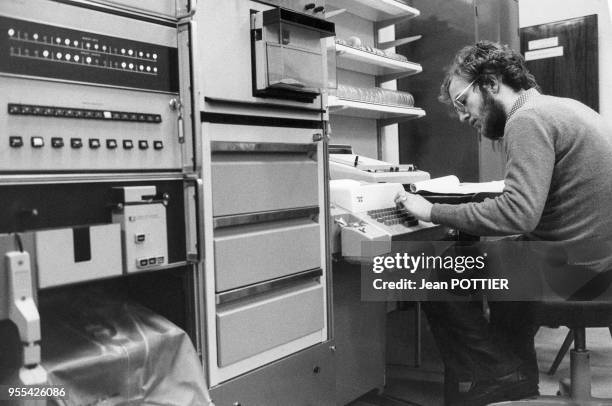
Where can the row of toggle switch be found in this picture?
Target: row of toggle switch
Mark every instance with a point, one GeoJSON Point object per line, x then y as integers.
{"type": "Point", "coordinates": [16, 141]}
{"type": "Point", "coordinates": [66, 112]}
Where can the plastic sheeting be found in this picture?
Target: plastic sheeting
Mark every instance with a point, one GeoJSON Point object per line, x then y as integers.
{"type": "Point", "coordinates": [117, 353]}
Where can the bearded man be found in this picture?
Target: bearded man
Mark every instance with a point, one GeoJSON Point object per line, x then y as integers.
{"type": "Point", "coordinates": [557, 188]}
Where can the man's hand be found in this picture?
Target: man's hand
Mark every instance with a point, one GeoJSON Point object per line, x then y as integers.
{"type": "Point", "coordinates": [415, 204]}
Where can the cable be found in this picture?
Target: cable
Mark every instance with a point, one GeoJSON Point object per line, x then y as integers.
{"type": "Point", "coordinates": [19, 241]}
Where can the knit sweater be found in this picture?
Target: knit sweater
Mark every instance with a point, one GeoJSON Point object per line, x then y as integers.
{"type": "Point", "coordinates": [558, 176]}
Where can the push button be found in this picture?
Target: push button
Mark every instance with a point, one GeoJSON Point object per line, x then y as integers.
{"type": "Point", "coordinates": [111, 144]}
{"type": "Point", "coordinates": [158, 145]}
{"type": "Point", "coordinates": [76, 143]}
{"type": "Point", "coordinates": [143, 144]}
{"type": "Point", "coordinates": [57, 142]}
{"type": "Point", "coordinates": [128, 144]}
{"type": "Point", "coordinates": [15, 141]}
{"type": "Point", "coordinates": [37, 142]}
{"type": "Point", "coordinates": [94, 143]}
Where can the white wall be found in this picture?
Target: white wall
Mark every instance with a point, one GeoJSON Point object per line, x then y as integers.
{"type": "Point", "coordinates": [533, 12]}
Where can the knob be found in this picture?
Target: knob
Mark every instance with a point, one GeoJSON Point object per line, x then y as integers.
{"type": "Point", "coordinates": [175, 104]}
{"type": "Point", "coordinates": [319, 9]}
{"type": "Point", "coordinates": [309, 6]}
{"type": "Point", "coordinates": [317, 137]}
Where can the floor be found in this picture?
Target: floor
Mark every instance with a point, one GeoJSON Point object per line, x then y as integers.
{"type": "Point", "coordinates": [408, 385]}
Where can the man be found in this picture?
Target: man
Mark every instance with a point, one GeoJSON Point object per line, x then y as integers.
{"type": "Point", "coordinates": [557, 188]}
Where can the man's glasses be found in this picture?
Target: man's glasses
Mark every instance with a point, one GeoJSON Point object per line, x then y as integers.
{"type": "Point", "coordinates": [460, 105]}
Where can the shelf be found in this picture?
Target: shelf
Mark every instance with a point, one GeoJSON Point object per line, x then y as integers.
{"type": "Point", "coordinates": [388, 113]}
{"type": "Point", "coordinates": [366, 62]}
{"type": "Point", "coordinates": [375, 10]}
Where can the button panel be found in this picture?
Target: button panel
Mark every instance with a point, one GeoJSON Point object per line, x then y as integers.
{"type": "Point", "coordinates": [393, 216]}
{"type": "Point", "coordinates": [16, 141]}
{"type": "Point", "coordinates": [84, 114]}
{"type": "Point", "coordinates": [148, 262]}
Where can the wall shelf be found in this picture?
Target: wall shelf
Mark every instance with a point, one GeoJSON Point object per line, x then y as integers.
{"type": "Point", "coordinates": [375, 10]}
{"type": "Point", "coordinates": [385, 112]}
{"type": "Point", "coordinates": [358, 60]}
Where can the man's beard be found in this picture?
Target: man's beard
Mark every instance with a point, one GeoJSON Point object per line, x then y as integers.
{"type": "Point", "coordinates": [493, 117]}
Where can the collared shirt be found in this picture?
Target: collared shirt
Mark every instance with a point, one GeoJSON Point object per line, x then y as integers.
{"type": "Point", "coordinates": [528, 94]}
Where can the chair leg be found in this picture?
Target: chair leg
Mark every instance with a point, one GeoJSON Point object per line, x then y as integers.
{"type": "Point", "coordinates": [569, 338]}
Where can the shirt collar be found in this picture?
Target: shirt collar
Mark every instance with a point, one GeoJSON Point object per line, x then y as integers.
{"type": "Point", "coordinates": [528, 94]}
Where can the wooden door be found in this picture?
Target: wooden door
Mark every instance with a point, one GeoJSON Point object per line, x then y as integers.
{"type": "Point", "coordinates": [563, 57]}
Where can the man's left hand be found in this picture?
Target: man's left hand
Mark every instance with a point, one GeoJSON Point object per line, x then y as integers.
{"type": "Point", "coordinates": [418, 206]}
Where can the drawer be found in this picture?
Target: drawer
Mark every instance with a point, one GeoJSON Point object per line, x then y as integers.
{"type": "Point", "coordinates": [254, 253]}
{"type": "Point", "coordinates": [254, 182]}
{"type": "Point", "coordinates": [253, 325]}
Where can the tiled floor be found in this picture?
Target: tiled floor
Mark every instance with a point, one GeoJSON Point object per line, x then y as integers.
{"type": "Point", "coordinates": [407, 385]}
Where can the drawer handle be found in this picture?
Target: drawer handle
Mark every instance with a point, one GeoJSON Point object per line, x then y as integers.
{"type": "Point", "coordinates": [263, 287]}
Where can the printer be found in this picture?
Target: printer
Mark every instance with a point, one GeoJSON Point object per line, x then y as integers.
{"type": "Point", "coordinates": [366, 212]}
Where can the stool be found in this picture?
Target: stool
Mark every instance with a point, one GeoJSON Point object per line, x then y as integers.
{"type": "Point", "coordinates": [567, 342]}
{"type": "Point", "coordinates": [577, 315]}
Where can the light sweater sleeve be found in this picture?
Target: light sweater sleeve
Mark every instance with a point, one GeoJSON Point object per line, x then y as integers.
{"type": "Point", "coordinates": [530, 156]}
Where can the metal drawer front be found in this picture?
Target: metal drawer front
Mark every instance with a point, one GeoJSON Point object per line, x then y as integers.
{"type": "Point", "coordinates": [252, 182]}
{"type": "Point", "coordinates": [250, 254]}
{"type": "Point", "coordinates": [251, 326]}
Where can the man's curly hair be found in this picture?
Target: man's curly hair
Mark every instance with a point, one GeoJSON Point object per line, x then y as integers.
{"type": "Point", "coordinates": [484, 60]}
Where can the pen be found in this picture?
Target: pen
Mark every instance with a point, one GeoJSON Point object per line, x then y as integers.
{"type": "Point", "coordinates": [356, 160]}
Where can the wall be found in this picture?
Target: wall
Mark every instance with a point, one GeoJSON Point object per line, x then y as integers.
{"type": "Point", "coordinates": [533, 12]}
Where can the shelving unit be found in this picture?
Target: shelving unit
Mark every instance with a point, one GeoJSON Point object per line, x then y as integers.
{"type": "Point", "coordinates": [375, 10]}
{"type": "Point", "coordinates": [361, 123]}
{"type": "Point", "coordinates": [385, 68]}
{"type": "Point", "coordinates": [368, 128]}
{"type": "Point", "coordinates": [390, 113]}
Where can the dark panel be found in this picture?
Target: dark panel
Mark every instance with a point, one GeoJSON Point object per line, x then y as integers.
{"type": "Point", "coordinates": [34, 207]}
{"type": "Point", "coordinates": [44, 50]}
{"type": "Point", "coordinates": [576, 73]}
{"type": "Point", "coordinates": [437, 143]}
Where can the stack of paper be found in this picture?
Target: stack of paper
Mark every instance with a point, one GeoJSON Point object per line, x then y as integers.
{"type": "Point", "coordinates": [451, 185]}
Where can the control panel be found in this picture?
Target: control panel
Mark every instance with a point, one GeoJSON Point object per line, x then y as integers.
{"type": "Point", "coordinates": [143, 228]}
{"type": "Point", "coordinates": [55, 52]}
{"type": "Point", "coordinates": [87, 91]}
